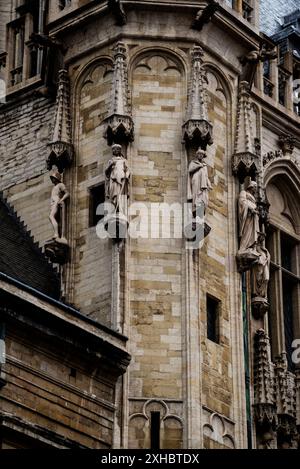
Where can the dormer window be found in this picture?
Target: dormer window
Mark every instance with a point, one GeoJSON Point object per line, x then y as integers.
{"type": "Point", "coordinates": [268, 85]}
{"type": "Point", "coordinates": [247, 11]}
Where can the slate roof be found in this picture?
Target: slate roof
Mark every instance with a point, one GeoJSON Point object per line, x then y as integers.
{"type": "Point", "coordinates": [272, 13]}
{"type": "Point", "coordinates": [21, 258]}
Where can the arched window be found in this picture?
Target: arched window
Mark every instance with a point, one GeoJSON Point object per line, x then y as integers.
{"type": "Point", "coordinates": [283, 242]}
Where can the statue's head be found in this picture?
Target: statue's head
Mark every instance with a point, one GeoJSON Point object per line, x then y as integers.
{"type": "Point", "coordinates": [116, 149]}
{"type": "Point", "coordinates": [55, 177]}
{"type": "Point", "coordinates": [200, 154]}
{"type": "Point", "coordinates": [252, 187]}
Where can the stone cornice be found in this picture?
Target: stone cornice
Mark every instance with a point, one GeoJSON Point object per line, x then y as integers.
{"type": "Point", "coordinates": [227, 18]}
{"type": "Point", "coordinates": [45, 317]}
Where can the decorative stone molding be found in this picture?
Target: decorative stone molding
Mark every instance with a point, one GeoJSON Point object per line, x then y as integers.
{"type": "Point", "coordinates": [61, 146]}
{"type": "Point", "coordinates": [264, 392]}
{"type": "Point", "coordinates": [171, 425]}
{"type": "Point", "coordinates": [286, 403]}
{"type": "Point", "coordinates": [119, 125]}
{"type": "Point", "coordinates": [218, 428]}
{"type": "Point", "coordinates": [197, 130]}
{"type": "Point", "coordinates": [287, 144]}
{"type": "Point", "coordinates": [246, 152]}
{"type": "Point", "coordinates": [271, 156]}
{"type": "Point", "coordinates": [286, 390]}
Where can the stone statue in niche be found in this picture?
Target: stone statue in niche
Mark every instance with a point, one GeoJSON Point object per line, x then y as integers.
{"type": "Point", "coordinates": [198, 189]}
{"type": "Point", "coordinates": [117, 178]}
{"type": "Point", "coordinates": [260, 278]}
{"type": "Point", "coordinates": [248, 226]}
{"type": "Point", "coordinates": [199, 184]}
{"type": "Point", "coordinates": [58, 196]}
{"type": "Point", "coordinates": [57, 248]}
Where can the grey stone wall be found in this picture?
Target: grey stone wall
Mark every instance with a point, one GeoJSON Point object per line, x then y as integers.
{"type": "Point", "coordinates": [24, 135]}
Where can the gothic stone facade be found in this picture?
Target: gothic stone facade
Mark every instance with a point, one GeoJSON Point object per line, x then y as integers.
{"type": "Point", "coordinates": [203, 372]}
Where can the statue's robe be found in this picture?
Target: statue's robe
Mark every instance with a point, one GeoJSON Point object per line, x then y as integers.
{"type": "Point", "coordinates": [248, 221]}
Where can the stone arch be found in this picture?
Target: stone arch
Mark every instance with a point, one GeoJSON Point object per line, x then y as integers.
{"type": "Point", "coordinates": [174, 55]}
{"type": "Point", "coordinates": [221, 77]}
{"type": "Point", "coordinates": [92, 87]}
{"type": "Point", "coordinates": [216, 431]}
{"type": "Point", "coordinates": [97, 70]}
{"type": "Point", "coordinates": [283, 177]}
{"type": "Point", "coordinates": [171, 427]}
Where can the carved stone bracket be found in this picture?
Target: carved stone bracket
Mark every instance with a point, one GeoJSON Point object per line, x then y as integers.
{"type": "Point", "coordinates": [61, 146]}
{"type": "Point", "coordinates": [57, 250]}
{"type": "Point", "coordinates": [197, 130]}
{"type": "Point", "coordinates": [260, 307]}
{"type": "Point", "coordinates": [245, 260]}
{"type": "Point", "coordinates": [119, 125]}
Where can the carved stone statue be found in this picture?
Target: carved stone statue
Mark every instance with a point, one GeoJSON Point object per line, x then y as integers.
{"type": "Point", "coordinates": [199, 184]}
{"type": "Point", "coordinates": [248, 227]}
{"type": "Point", "coordinates": [260, 278]}
{"type": "Point", "coordinates": [58, 196]}
{"type": "Point", "coordinates": [261, 269]}
{"type": "Point", "coordinates": [117, 177]}
{"type": "Point", "coordinates": [248, 219]}
{"type": "Point", "coordinates": [57, 248]}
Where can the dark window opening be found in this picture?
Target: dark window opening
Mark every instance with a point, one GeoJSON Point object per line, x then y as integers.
{"type": "Point", "coordinates": [287, 251]}
{"type": "Point", "coordinates": [155, 430]}
{"type": "Point", "coordinates": [97, 197]}
{"type": "Point", "coordinates": [247, 11]}
{"type": "Point", "coordinates": [287, 287]}
{"type": "Point", "coordinates": [213, 314]}
{"type": "Point", "coordinates": [73, 373]}
{"type": "Point", "coordinates": [282, 86]}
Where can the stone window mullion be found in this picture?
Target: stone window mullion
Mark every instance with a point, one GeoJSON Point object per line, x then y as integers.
{"type": "Point", "coordinates": [28, 32]}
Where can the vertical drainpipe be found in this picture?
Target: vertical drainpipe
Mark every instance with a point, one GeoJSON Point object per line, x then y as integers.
{"type": "Point", "coordinates": [246, 359]}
